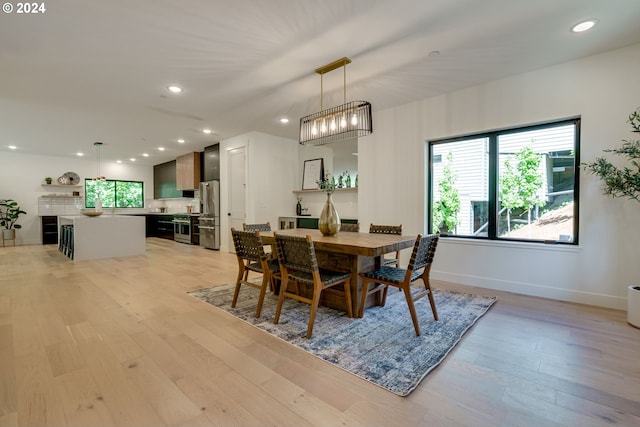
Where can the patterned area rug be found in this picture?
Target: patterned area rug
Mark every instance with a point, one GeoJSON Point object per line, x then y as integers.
{"type": "Point", "coordinates": [381, 347]}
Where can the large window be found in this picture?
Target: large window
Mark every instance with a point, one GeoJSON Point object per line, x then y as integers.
{"type": "Point", "coordinates": [114, 194]}
{"type": "Point", "coordinates": [514, 184]}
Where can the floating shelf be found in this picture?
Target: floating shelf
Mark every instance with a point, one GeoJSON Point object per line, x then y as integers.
{"type": "Point", "coordinates": [62, 185]}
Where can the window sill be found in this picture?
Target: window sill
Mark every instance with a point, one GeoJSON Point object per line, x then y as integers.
{"type": "Point", "coordinates": [511, 245]}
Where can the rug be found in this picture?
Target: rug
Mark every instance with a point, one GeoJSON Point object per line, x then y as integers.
{"type": "Point", "coordinates": [381, 347]}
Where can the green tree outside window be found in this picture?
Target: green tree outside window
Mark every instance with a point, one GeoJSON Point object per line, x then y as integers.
{"type": "Point", "coordinates": [114, 193]}
{"type": "Point", "coordinates": [445, 211]}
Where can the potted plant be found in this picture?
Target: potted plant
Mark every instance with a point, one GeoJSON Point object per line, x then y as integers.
{"type": "Point", "coordinates": [623, 182]}
{"type": "Point", "coordinates": [48, 180]}
{"type": "Point", "coordinates": [9, 213]}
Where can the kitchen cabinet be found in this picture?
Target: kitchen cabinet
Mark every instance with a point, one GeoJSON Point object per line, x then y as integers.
{"type": "Point", "coordinates": [159, 226]}
{"type": "Point", "coordinates": [188, 171]}
{"type": "Point", "coordinates": [211, 160]}
{"type": "Point", "coordinates": [307, 223]}
{"type": "Point", "coordinates": [290, 222]}
{"type": "Point", "coordinates": [164, 182]}
{"type": "Point", "coordinates": [49, 229]}
{"type": "Point", "coordinates": [287, 222]}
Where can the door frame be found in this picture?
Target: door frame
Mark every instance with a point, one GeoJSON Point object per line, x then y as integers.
{"type": "Point", "coordinates": [225, 233]}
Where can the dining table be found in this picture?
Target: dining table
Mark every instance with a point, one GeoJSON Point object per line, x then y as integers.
{"type": "Point", "coordinates": [349, 252]}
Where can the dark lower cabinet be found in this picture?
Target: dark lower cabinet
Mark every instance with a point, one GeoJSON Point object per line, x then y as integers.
{"type": "Point", "coordinates": [49, 230]}
{"type": "Point", "coordinates": [307, 223]}
{"type": "Point", "coordinates": [313, 222]}
{"type": "Point", "coordinates": [159, 226]}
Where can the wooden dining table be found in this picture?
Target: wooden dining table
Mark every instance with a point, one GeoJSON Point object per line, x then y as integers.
{"type": "Point", "coordinates": [349, 252]}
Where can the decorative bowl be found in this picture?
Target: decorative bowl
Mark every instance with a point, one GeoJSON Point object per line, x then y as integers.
{"type": "Point", "coordinates": [91, 212]}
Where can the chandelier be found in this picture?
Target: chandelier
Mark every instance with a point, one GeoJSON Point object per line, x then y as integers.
{"type": "Point", "coordinates": [346, 121]}
{"type": "Point", "coordinates": [98, 176]}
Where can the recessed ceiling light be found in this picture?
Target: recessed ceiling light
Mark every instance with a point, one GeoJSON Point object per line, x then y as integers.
{"type": "Point", "coordinates": [145, 154]}
{"type": "Point", "coordinates": [118, 161]}
{"type": "Point", "coordinates": [207, 131]}
{"type": "Point", "coordinates": [160, 148]}
{"type": "Point", "coordinates": [181, 141]}
{"type": "Point", "coordinates": [12, 147]}
{"type": "Point", "coordinates": [584, 25]}
{"type": "Point", "coordinates": [79, 154]}
{"type": "Point", "coordinates": [133, 159]}
{"type": "Point", "coordinates": [174, 89]}
{"type": "Point", "coordinates": [284, 120]}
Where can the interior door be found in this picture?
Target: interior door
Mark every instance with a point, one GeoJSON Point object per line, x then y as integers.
{"type": "Point", "coordinates": [237, 191]}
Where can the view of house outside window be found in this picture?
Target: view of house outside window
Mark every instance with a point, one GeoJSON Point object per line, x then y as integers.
{"type": "Point", "coordinates": [114, 194]}
{"type": "Point", "coordinates": [518, 184]}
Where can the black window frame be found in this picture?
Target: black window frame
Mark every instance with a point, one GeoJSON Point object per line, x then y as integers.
{"type": "Point", "coordinates": [493, 207]}
{"type": "Point", "coordinates": [115, 196]}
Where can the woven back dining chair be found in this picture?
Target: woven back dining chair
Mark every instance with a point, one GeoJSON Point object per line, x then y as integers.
{"type": "Point", "coordinates": [388, 229]}
{"type": "Point", "coordinates": [252, 257]}
{"type": "Point", "coordinates": [298, 264]}
{"type": "Point", "coordinates": [257, 227]}
{"type": "Point", "coordinates": [350, 227]}
{"type": "Point", "coordinates": [424, 250]}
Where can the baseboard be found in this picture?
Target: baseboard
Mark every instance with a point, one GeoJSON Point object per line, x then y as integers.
{"type": "Point", "coordinates": [590, 298]}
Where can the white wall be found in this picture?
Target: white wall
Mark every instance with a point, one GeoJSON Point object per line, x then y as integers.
{"type": "Point", "coordinates": [271, 178]}
{"type": "Point", "coordinates": [603, 90]}
{"type": "Point", "coordinates": [21, 176]}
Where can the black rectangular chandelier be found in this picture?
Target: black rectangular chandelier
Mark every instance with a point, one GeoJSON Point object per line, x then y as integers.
{"type": "Point", "coordinates": [347, 121]}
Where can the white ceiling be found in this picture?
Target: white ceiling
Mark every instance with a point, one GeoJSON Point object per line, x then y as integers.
{"type": "Point", "coordinates": [86, 71]}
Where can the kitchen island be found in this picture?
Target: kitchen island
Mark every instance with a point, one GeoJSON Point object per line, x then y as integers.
{"type": "Point", "coordinates": [106, 236]}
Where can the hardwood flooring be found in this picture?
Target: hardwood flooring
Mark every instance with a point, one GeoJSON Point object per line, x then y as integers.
{"type": "Point", "coordinates": [119, 343]}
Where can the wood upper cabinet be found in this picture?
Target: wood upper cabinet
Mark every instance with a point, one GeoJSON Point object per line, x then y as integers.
{"type": "Point", "coordinates": [188, 171]}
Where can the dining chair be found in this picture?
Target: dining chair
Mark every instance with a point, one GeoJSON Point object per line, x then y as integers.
{"type": "Point", "coordinates": [257, 227]}
{"type": "Point", "coordinates": [252, 257]}
{"type": "Point", "coordinates": [350, 227]}
{"type": "Point", "coordinates": [387, 229]}
{"type": "Point", "coordinates": [298, 264]}
{"type": "Point", "coordinates": [424, 250]}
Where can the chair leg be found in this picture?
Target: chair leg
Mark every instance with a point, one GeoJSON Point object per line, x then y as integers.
{"type": "Point", "coordinates": [377, 288]}
{"type": "Point", "coordinates": [236, 291]}
{"type": "Point", "coordinates": [315, 302]}
{"type": "Point", "coordinates": [383, 299]}
{"type": "Point", "coordinates": [412, 308]}
{"type": "Point", "coordinates": [266, 279]}
{"type": "Point", "coordinates": [283, 289]}
{"type": "Point", "coordinates": [432, 301]}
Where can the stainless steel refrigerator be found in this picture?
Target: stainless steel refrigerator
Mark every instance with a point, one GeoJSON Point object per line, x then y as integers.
{"type": "Point", "coordinates": [210, 214]}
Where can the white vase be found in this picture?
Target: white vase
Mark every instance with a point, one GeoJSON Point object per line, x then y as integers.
{"type": "Point", "coordinates": [633, 305]}
{"type": "Point", "coordinates": [329, 221]}
{"type": "Point", "coordinates": [8, 234]}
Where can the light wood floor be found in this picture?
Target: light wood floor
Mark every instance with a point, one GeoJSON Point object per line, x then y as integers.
{"type": "Point", "coordinates": [119, 343]}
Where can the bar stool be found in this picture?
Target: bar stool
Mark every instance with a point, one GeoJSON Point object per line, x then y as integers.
{"type": "Point", "coordinates": [66, 240]}
{"type": "Point", "coordinates": [70, 242]}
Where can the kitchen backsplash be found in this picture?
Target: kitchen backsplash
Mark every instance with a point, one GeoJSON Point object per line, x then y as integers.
{"type": "Point", "coordinates": [53, 206]}
{"type": "Point", "coordinates": [59, 205]}
{"type": "Point", "coordinates": [174, 205]}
